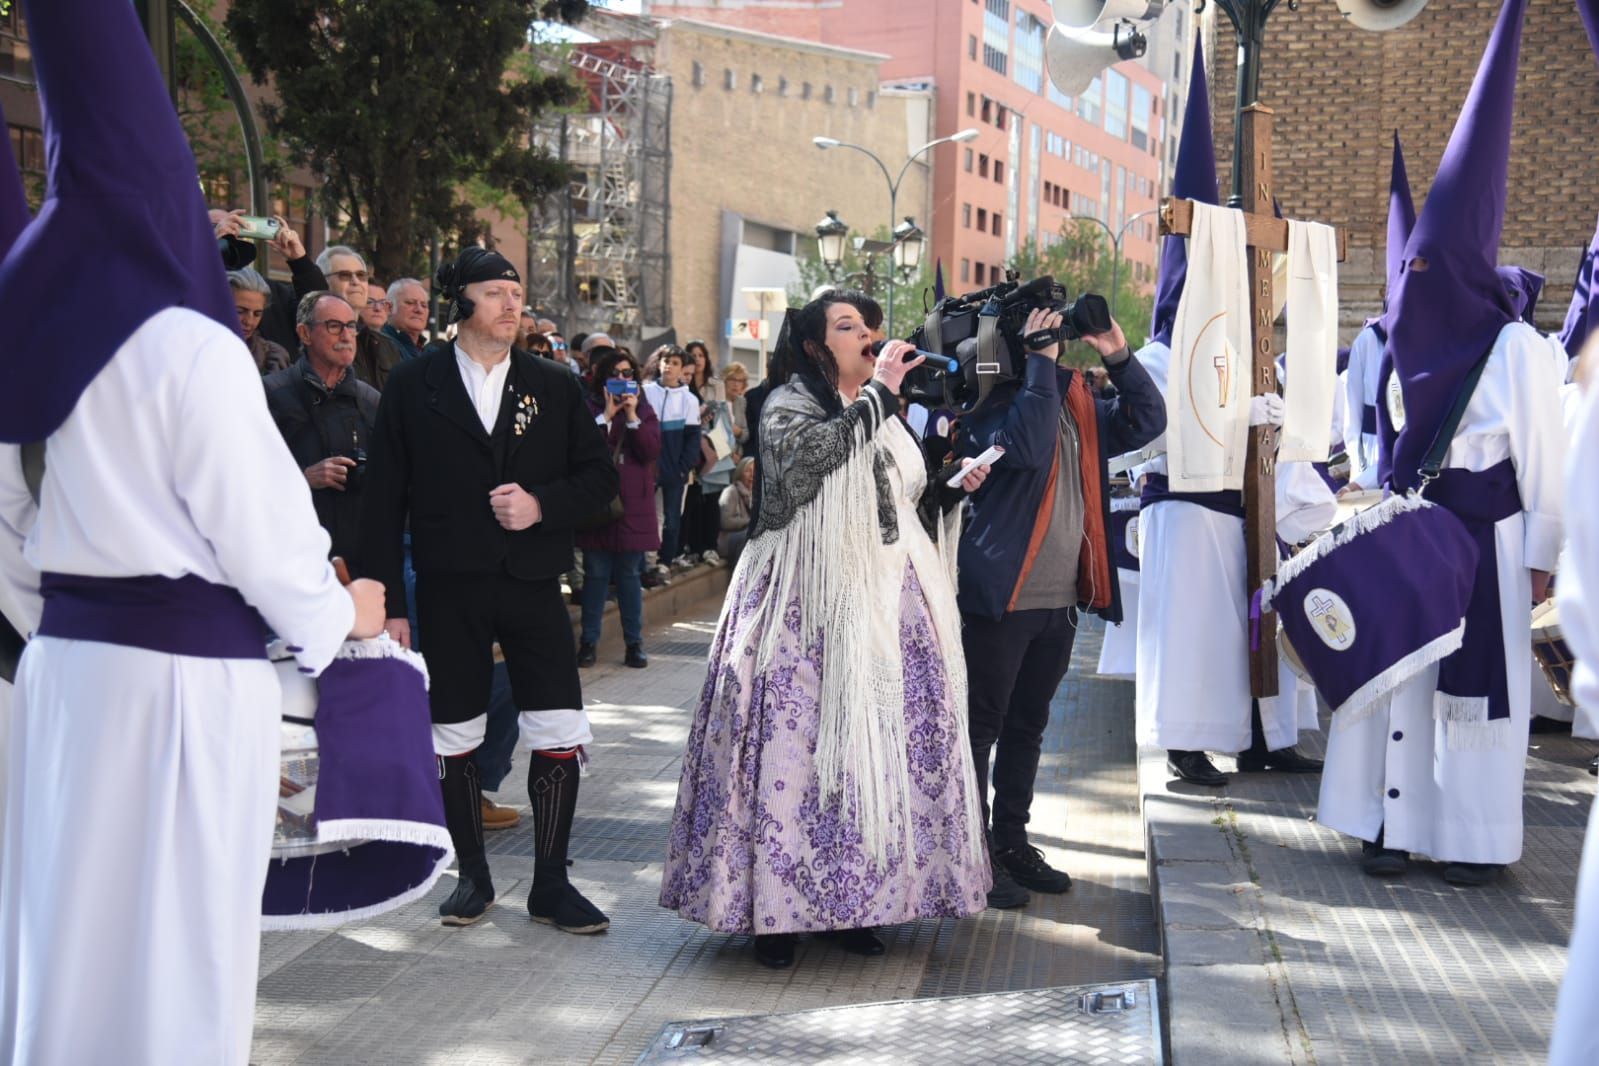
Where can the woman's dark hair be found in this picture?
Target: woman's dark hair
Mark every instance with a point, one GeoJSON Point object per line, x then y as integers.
{"type": "Point", "coordinates": [802, 355]}
{"type": "Point", "coordinates": [537, 342]}
{"type": "Point", "coordinates": [606, 360]}
{"type": "Point", "coordinates": [710, 367]}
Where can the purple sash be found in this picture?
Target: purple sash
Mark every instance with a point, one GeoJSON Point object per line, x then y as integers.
{"type": "Point", "coordinates": [1368, 420]}
{"type": "Point", "coordinates": [1471, 682]}
{"type": "Point", "coordinates": [178, 616]}
{"type": "Point", "coordinates": [1157, 489]}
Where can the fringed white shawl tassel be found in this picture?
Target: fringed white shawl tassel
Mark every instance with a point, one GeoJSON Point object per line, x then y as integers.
{"type": "Point", "coordinates": [945, 610]}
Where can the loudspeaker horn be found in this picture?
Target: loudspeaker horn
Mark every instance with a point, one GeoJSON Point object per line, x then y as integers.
{"type": "Point", "coordinates": [1074, 58]}
{"type": "Point", "coordinates": [1380, 15]}
{"type": "Point", "coordinates": [1081, 14]}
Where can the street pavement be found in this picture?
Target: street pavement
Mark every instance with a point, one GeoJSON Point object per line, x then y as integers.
{"type": "Point", "coordinates": [404, 989]}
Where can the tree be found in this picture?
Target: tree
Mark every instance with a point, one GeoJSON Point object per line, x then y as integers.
{"type": "Point", "coordinates": [909, 297]}
{"type": "Point", "coordinates": [206, 111]}
{"type": "Point", "coordinates": [1081, 259]}
{"type": "Point", "coordinates": [398, 105]}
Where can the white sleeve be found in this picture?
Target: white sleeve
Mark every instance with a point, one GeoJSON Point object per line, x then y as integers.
{"type": "Point", "coordinates": [19, 581]}
{"type": "Point", "coordinates": [247, 496]}
{"type": "Point", "coordinates": [1579, 612]}
{"type": "Point", "coordinates": [1537, 444]}
{"type": "Point", "coordinates": [1360, 471]}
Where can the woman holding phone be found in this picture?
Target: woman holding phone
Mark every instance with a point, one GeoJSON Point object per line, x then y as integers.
{"type": "Point", "coordinates": [827, 786]}
{"type": "Point", "coordinates": [615, 551]}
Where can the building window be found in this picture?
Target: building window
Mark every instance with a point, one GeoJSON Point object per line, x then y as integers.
{"type": "Point", "coordinates": [827, 94]}
{"type": "Point", "coordinates": [966, 271]}
{"type": "Point", "coordinates": [966, 215]}
{"type": "Point", "coordinates": [999, 115]}
{"type": "Point", "coordinates": [988, 110]}
{"type": "Point", "coordinates": [729, 79]}
{"type": "Point", "coordinates": [1143, 112]}
{"type": "Point", "coordinates": [1116, 104]}
{"type": "Point", "coordinates": [982, 218]}
{"type": "Point", "coordinates": [805, 90]}
{"type": "Point", "coordinates": [982, 166]}
{"type": "Point", "coordinates": [1030, 31]}
{"type": "Point", "coordinates": [854, 97]}
{"type": "Point", "coordinates": [698, 76]}
{"type": "Point", "coordinates": [871, 99]}
{"type": "Point", "coordinates": [968, 160]}
{"type": "Point", "coordinates": [971, 46]}
{"type": "Point", "coordinates": [971, 105]}
{"type": "Point", "coordinates": [757, 84]}
{"type": "Point", "coordinates": [1088, 104]}
{"type": "Point", "coordinates": [996, 35]}
{"type": "Point", "coordinates": [782, 86]}
{"type": "Point", "coordinates": [999, 171]}
{"type": "Point", "coordinates": [998, 221]}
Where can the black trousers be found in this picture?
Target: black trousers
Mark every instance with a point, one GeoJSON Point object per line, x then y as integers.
{"type": "Point", "coordinates": [1013, 668]}
{"type": "Point", "coordinates": [464, 614]}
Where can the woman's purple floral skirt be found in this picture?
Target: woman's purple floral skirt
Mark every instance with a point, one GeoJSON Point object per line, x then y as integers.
{"type": "Point", "coordinates": [752, 848]}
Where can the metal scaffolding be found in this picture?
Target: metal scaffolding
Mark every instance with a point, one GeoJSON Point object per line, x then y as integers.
{"type": "Point", "coordinates": [599, 252]}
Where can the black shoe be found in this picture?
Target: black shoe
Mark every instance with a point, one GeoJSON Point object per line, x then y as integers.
{"type": "Point", "coordinates": [467, 903]}
{"type": "Point", "coordinates": [636, 657]}
{"type": "Point", "coordinates": [855, 941]}
{"type": "Point", "coordinates": [560, 904]}
{"type": "Point", "coordinates": [1194, 767]}
{"type": "Point", "coordinates": [1026, 864]}
{"type": "Point", "coordinates": [1378, 861]}
{"type": "Point", "coordinates": [586, 655]}
{"type": "Point", "coordinates": [1284, 761]}
{"type": "Point", "coordinates": [1472, 874]}
{"type": "Point", "coordinates": [775, 951]}
{"type": "Point", "coordinates": [1540, 724]}
{"type": "Point", "coordinates": [1006, 893]}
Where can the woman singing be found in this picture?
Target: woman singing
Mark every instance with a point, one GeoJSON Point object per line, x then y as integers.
{"type": "Point", "coordinates": [827, 786]}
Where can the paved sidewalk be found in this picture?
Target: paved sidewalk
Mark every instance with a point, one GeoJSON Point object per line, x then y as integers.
{"type": "Point", "coordinates": [1279, 950]}
{"type": "Point", "coordinates": [405, 990]}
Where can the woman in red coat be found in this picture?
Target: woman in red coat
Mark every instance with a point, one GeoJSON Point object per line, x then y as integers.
{"type": "Point", "coordinates": [615, 551]}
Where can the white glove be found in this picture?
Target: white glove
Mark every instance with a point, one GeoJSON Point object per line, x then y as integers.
{"type": "Point", "coordinates": [1266, 410]}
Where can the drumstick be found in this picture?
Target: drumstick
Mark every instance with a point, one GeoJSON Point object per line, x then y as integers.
{"type": "Point", "coordinates": [342, 571]}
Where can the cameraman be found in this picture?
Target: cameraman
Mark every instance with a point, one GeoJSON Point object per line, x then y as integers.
{"type": "Point", "coordinates": [326, 415]}
{"type": "Point", "coordinates": [1033, 553]}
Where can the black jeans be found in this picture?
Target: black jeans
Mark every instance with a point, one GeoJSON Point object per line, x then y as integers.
{"type": "Point", "coordinates": [1013, 667]}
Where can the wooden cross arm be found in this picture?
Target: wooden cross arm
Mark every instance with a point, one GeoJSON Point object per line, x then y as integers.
{"type": "Point", "coordinates": [1264, 231]}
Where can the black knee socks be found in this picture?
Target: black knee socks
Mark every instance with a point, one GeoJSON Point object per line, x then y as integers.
{"type": "Point", "coordinates": [463, 816]}
{"type": "Point", "coordinates": [552, 780]}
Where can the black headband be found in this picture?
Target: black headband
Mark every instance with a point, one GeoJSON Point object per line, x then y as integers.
{"type": "Point", "coordinates": [475, 264]}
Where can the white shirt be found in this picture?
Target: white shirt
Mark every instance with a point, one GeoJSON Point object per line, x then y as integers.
{"type": "Point", "coordinates": [485, 387]}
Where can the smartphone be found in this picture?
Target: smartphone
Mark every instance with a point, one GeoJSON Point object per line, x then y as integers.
{"type": "Point", "coordinates": [988, 458]}
{"type": "Point", "coordinates": [256, 228]}
{"type": "Point", "coordinates": [621, 387]}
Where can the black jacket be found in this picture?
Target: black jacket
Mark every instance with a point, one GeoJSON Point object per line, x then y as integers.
{"type": "Point", "coordinates": [432, 463]}
{"type": "Point", "coordinates": [317, 423]}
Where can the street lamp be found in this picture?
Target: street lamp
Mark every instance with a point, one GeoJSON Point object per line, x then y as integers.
{"type": "Point", "coordinates": [826, 143]}
{"type": "Point", "coordinates": [1116, 248]}
{"type": "Point", "coordinates": [830, 234]}
{"type": "Point", "coordinates": [908, 242]}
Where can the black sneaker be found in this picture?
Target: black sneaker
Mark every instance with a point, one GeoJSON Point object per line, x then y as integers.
{"type": "Point", "coordinates": [560, 904]}
{"type": "Point", "coordinates": [1472, 874]}
{"type": "Point", "coordinates": [1026, 864]}
{"type": "Point", "coordinates": [636, 657]}
{"type": "Point", "coordinates": [1378, 861]}
{"type": "Point", "coordinates": [467, 903]}
{"type": "Point", "coordinates": [1006, 893]}
{"type": "Point", "coordinates": [586, 654]}
{"type": "Point", "coordinates": [775, 951]}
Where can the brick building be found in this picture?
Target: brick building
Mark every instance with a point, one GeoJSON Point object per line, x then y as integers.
{"type": "Point", "coordinates": [1339, 92]}
{"type": "Point", "coordinates": [1040, 157]}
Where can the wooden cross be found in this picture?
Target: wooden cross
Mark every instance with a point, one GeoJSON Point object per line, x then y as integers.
{"type": "Point", "coordinates": [1266, 234]}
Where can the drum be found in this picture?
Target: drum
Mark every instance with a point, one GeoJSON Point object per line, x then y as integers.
{"type": "Point", "coordinates": [294, 834]}
{"type": "Point", "coordinates": [1123, 531]}
{"type": "Point", "coordinates": [1549, 648]}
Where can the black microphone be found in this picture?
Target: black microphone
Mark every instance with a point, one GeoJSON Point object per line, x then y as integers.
{"type": "Point", "coordinates": [937, 361]}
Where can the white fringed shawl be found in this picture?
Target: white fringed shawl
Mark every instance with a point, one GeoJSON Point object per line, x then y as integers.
{"type": "Point", "coordinates": [820, 532]}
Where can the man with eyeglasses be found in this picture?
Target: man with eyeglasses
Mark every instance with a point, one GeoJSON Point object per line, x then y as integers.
{"type": "Point", "coordinates": [375, 355]}
{"type": "Point", "coordinates": [326, 415]}
{"type": "Point", "coordinates": [408, 319]}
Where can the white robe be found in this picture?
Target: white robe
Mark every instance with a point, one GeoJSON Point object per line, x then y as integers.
{"type": "Point", "coordinates": [141, 786]}
{"type": "Point", "coordinates": [1360, 392]}
{"type": "Point", "coordinates": [1393, 770]}
{"type": "Point", "coordinates": [1193, 690]}
{"type": "Point", "coordinates": [1576, 1036]}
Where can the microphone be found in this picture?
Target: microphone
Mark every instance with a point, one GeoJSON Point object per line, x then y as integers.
{"type": "Point", "coordinates": [934, 360]}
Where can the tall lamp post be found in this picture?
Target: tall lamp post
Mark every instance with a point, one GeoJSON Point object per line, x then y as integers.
{"type": "Point", "coordinates": [826, 143]}
{"type": "Point", "coordinates": [906, 248]}
{"type": "Point", "coordinates": [1116, 248]}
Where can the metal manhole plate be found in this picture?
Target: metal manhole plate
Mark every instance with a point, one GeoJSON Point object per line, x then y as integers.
{"type": "Point", "coordinates": [1086, 1024]}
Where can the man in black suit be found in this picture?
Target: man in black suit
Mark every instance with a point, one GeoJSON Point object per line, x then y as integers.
{"type": "Point", "coordinates": [493, 456]}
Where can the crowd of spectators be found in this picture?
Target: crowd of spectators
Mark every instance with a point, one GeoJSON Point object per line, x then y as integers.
{"type": "Point", "coordinates": [678, 429]}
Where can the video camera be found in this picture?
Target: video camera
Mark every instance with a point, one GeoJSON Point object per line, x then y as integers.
{"type": "Point", "coordinates": [982, 332]}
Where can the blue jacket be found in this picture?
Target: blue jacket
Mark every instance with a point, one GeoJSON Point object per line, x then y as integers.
{"type": "Point", "coordinates": [680, 439]}
{"type": "Point", "coordinates": [1007, 515]}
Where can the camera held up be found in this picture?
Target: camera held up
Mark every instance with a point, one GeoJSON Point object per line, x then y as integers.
{"type": "Point", "coordinates": [982, 334]}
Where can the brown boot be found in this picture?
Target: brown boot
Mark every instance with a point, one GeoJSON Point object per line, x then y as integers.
{"type": "Point", "coordinates": [497, 817]}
